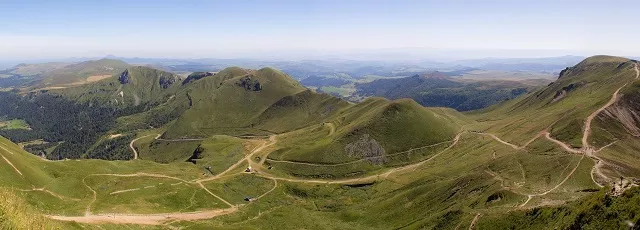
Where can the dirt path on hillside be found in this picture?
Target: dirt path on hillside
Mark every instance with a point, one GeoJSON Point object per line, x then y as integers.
{"type": "Point", "coordinates": [177, 140]}
{"type": "Point", "coordinates": [530, 196]}
{"type": "Point", "coordinates": [247, 158]}
{"type": "Point", "coordinates": [332, 128]}
{"type": "Point", "coordinates": [87, 210]}
{"type": "Point", "coordinates": [512, 145]}
{"type": "Point", "coordinates": [275, 185]}
{"type": "Point", "coordinates": [61, 197]}
{"type": "Point", "coordinates": [141, 174]}
{"type": "Point", "coordinates": [6, 150]}
{"type": "Point", "coordinates": [356, 161]}
{"type": "Point", "coordinates": [500, 140]}
{"type": "Point", "coordinates": [614, 98]}
{"type": "Point", "coordinates": [586, 148]}
{"type": "Point", "coordinates": [565, 146]}
{"type": "Point", "coordinates": [214, 195]}
{"type": "Point", "coordinates": [474, 221]}
{"type": "Point", "coordinates": [11, 164]}
{"type": "Point", "coordinates": [587, 123]}
{"type": "Point", "coordinates": [156, 219]}
{"type": "Point", "coordinates": [135, 152]}
{"type": "Point", "coordinates": [145, 219]}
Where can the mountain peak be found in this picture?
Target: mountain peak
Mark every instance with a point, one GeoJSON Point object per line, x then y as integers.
{"type": "Point", "coordinates": [603, 59]}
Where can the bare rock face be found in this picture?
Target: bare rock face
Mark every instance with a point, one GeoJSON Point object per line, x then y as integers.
{"type": "Point", "coordinates": [249, 83]}
{"type": "Point", "coordinates": [563, 92]}
{"type": "Point", "coordinates": [166, 81]}
{"type": "Point", "coordinates": [564, 72]}
{"type": "Point", "coordinates": [626, 115]}
{"type": "Point", "coordinates": [367, 148]}
{"type": "Point", "coordinates": [124, 77]}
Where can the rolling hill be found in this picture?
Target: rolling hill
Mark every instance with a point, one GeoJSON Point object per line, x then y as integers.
{"type": "Point", "coordinates": [253, 149]}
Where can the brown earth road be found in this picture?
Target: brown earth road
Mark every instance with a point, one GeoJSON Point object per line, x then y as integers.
{"type": "Point", "coordinates": [275, 185]}
{"type": "Point", "coordinates": [87, 211]}
{"type": "Point", "coordinates": [214, 195]}
{"type": "Point", "coordinates": [565, 146]}
{"type": "Point", "coordinates": [587, 149]}
{"type": "Point", "coordinates": [177, 140]}
{"type": "Point", "coordinates": [332, 128]}
{"type": "Point", "coordinates": [247, 158]}
{"type": "Point", "coordinates": [145, 219]}
{"type": "Point", "coordinates": [614, 98]}
{"type": "Point", "coordinates": [135, 152]}
{"type": "Point", "coordinates": [61, 197]}
{"type": "Point", "coordinates": [140, 174]}
{"type": "Point", "coordinates": [555, 187]}
{"type": "Point", "coordinates": [474, 221]}
{"type": "Point", "coordinates": [500, 140]}
{"type": "Point", "coordinates": [509, 144]}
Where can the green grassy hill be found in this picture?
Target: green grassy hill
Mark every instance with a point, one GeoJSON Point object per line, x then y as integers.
{"type": "Point", "coordinates": [562, 106]}
{"type": "Point", "coordinates": [80, 73]}
{"type": "Point", "coordinates": [228, 102]}
{"type": "Point", "coordinates": [323, 163]}
{"type": "Point", "coordinates": [366, 137]}
{"type": "Point", "coordinates": [130, 87]}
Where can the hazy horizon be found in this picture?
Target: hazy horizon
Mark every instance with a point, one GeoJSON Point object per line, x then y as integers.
{"type": "Point", "coordinates": [376, 30]}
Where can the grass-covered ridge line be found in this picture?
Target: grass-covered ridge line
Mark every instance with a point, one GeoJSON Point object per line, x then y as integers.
{"type": "Point", "coordinates": [378, 164]}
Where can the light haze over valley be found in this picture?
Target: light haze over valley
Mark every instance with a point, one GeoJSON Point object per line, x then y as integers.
{"type": "Point", "coordinates": [329, 114]}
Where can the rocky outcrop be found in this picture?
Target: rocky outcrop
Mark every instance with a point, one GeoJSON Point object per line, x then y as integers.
{"type": "Point", "coordinates": [196, 76]}
{"type": "Point", "coordinates": [563, 92]}
{"type": "Point", "coordinates": [167, 81]}
{"type": "Point", "coordinates": [249, 83]}
{"type": "Point", "coordinates": [564, 72]}
{"type": "Point", "coordinates": [367, 148]}
{"type": "Point", "coordinates": [124, 77]}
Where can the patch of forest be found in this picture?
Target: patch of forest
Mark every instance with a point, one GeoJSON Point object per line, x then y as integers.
{"type": "Point", "coordinates": [54, 118]}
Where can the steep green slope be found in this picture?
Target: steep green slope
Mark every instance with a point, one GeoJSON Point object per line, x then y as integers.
{"type": "Point", "coordinates": [562, 107]}
{"type": "Point", "coordinates": [615, 133]}
{"type": "Point", "coordinates": [131, 87]}
{"type": "Point", "coordinates": [597, 211]}
{"type": "Point", "coordinates": [366, 137]}
{"type": "Point", "coordinates": [228, 102]}
{"type": "Point", "coordinates": [299, 110]}
{"type": "Point", "coordinates": [378, 164]}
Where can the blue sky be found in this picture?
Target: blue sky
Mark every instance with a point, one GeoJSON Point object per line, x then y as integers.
{"type": "Point", "coordinates": [48, 29]}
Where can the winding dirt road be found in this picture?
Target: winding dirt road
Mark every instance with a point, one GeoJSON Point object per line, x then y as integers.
{"type": "Point", "coordinates": [135, 152]}
{"type": "Point", "coordinates": [614, 98]}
